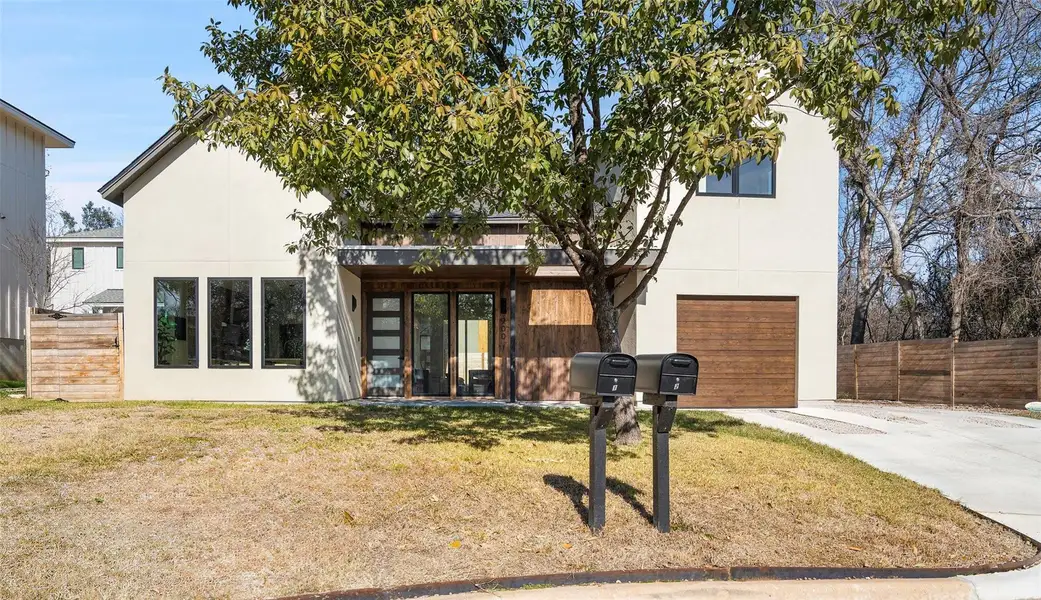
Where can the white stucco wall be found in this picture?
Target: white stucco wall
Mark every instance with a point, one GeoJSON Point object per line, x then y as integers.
{"type": "Point", "coordinates": [781, 246]}
{"type": "Point", "coordinates": [200, 213]}
{"type": "Point", "coordinates": [99, 272]}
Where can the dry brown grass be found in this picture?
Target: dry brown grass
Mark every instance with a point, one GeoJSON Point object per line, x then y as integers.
{"type": "Point", "coordinates": [131, 500]}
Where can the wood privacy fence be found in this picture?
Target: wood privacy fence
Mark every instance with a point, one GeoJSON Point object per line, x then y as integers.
{"type": "Point", "coordinates": [75, 357]}
{"type": "Point", "coordinates": [1002, 373]}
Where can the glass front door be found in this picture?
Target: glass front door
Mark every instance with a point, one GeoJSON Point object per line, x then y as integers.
{"type": "Point", "coordinates": [431, 371]}
{"type": "Point", "coordinates": [386, 343]}
{"type": "Point", "coordinates": [475, 316]}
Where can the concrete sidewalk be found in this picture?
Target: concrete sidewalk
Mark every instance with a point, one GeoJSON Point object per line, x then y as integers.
{"type": "Point", "coordinates": [909, 589]}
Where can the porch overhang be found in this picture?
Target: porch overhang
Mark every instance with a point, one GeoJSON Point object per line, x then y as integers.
{"type": "Point", "coordinates": [361, 259]}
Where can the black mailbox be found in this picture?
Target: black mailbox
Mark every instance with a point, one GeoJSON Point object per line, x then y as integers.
{"type": "Point", "coordinates": [663, 378]}
{"type": "Point", "coordinates": [603, 374]}
{"type": "Point", "coordinates": [600, 377]}
{"type": "Point", "coordinates": [661, 375]}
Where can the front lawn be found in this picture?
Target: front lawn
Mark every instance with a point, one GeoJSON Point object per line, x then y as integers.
{"type": "Point", "coordinates": [132, 500]}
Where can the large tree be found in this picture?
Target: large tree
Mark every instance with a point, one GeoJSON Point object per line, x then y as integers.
{"type": "Point", "coordinates": [578, 115]}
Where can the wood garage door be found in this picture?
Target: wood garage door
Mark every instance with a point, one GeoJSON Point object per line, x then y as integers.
{"type": "Point", "coordinates": [745, 348]}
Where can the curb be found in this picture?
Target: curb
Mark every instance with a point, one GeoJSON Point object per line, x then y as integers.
{"type": "Point", "coordinates": [679, 575]}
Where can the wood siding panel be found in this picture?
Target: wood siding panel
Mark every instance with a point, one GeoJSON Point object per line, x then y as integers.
{"type": "Point", "coordinates": [925, 371]}
{"type": "Point", "coordinates": [996, 373]}
{"type": "Point", "coordinates": [877, 371]}
{"type": "Point", "coordinates": [78, 357]}
{"type": "Point", "coordinates": [1002, 373]}
{"type": "Point", "coordinates": [746, 350]}
{"type": "Point", "coordinates": [554, 322]}
{"type": "Point", "coordinates": [846, 380]}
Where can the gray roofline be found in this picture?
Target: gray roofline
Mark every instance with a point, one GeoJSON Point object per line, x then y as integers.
{"type": "Point", "coordinates": [52, 137]}
{"type": "Point", "coordinates": [83, 240]}
{"type": "Point", "coordinates": [503, 256]}
{"type": "Point", "coordinates": [114, 188]}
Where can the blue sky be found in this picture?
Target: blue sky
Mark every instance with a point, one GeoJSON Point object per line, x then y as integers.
{"type": "Point", "coordinates": [89, 69]}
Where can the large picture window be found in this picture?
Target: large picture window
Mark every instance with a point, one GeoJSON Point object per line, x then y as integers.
{"type": "Point", "coordinates": [475, 325]}
{"type": "Point", "coordinates": [176, 322]}
{"type": "Point", "coordinates": [231, 325]}
{"type": "Point", "coordinates": [285, 309]}
{"type": "Point", "coordinates": [748, 179]}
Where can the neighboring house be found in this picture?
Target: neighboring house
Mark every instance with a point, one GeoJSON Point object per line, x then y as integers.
{"type": "Point", "coordinates": [217, 310]}
{"type": "Point", "coordinates": [92, 262]}
{"type": "Point", "coordinates": [24, 142]}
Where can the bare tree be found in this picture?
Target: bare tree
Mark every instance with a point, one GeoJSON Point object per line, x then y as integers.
{"type": "Point", "coordinates": [942, 227]}
{"type": "Point", "coordinates": [47, 268]}
{"type": "Point", "coordinates": [990, 192]}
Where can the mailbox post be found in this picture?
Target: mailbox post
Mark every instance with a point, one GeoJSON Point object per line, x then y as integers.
{"type": "Point", "coordinates": [600, 377]}
{"type": "Point", "coordinates": [663, 378]}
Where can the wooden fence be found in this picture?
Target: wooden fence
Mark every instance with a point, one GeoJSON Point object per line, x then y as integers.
{"type": "Point", "coordinates": [75, 357]}
{"type": "Point", "coordinates": [1002, 373]}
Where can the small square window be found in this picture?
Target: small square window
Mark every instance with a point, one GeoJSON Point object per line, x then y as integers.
{"type": "Point", "coordinates": [77, 258]}
{"type": "Point", "coordinates": [119, 257]}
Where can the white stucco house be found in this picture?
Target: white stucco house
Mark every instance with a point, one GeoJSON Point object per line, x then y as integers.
{"type": "Point", "coordinates": [24, 141]}
{"type": "Point", "coordinates": [216, 309]}
{"type": "Point", "coordinates": [91, 262]}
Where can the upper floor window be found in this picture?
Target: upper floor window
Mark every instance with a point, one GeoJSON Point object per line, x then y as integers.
{"type": "Point", "coordinates": [119, 257]}
{"type": "Point", "coordinates": [748, 179]}
{"type": "Point", "coordinates": [77, 258]}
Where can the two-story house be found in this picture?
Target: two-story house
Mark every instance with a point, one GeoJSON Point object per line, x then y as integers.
{"type": "Point", "coordinates": [91, 277]}
{"type": "Point", "coordinates": [218, 310]}
{"type": "Point", "coordinates": [24, 141]}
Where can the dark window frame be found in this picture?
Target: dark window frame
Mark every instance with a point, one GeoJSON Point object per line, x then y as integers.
{"type": "Point", "coordinates": [735, 185]}
{"type": "Point", "coordinates": [209, 323]}
{"type": "Point", "coordinates": [155, 324]}
{"type": "Point", "coordinates": [83, 258]}
{"type": "Point", "coordinates": [119, 258]}
{"type": "Point", "coordinates": [263, 324]}
{"type": "Point", "coordinates": [412, 337]}
{"type": "Point", "coordinates": [491, 345]}
{"type": "Point", "coordinates": [371, 352]}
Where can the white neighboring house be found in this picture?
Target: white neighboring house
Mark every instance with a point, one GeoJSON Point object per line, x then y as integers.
{"type": "Point", "coordinates": [94, 259]}
{"type": "Point", "coordinates": [24, 142]}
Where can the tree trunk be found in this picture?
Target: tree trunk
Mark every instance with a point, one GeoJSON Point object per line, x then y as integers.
{"type": "Point", "coordinates": [605, 319]}
{"type": "Point", "coordinates": [958, 282]}
{"type": "Point", "coordinates": [865, 287]}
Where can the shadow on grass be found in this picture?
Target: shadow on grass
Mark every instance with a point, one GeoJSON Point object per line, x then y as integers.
{"type": "Point", "coordinates": [483, 427]}
{"type": "Point", "coordinates": [578, 494]}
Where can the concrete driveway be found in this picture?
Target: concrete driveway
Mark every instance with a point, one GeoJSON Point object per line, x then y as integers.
{"type": "Point", "coordinates": [989, 462]}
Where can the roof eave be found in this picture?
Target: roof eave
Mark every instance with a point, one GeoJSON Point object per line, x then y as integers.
{"type": "Point", "coordinates": [114, 188]}
{"type": "Point", "coordinates": [52, 138]}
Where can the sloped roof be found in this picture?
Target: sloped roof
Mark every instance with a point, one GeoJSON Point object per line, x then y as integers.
{"type": "Point", "coordinates": [52, 137]}
{"type": "Point", "coordinates": [110, 232]}
{"type": "Point", "coordinates": [110, 296]}
{"type": "Point", "coordinates": [114, 188]}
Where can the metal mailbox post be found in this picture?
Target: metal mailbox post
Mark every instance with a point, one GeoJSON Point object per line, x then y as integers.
{"type": "Point", "coordinates": [663, 378]}
{"type": "Point", "coordinates": [600, 377]}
